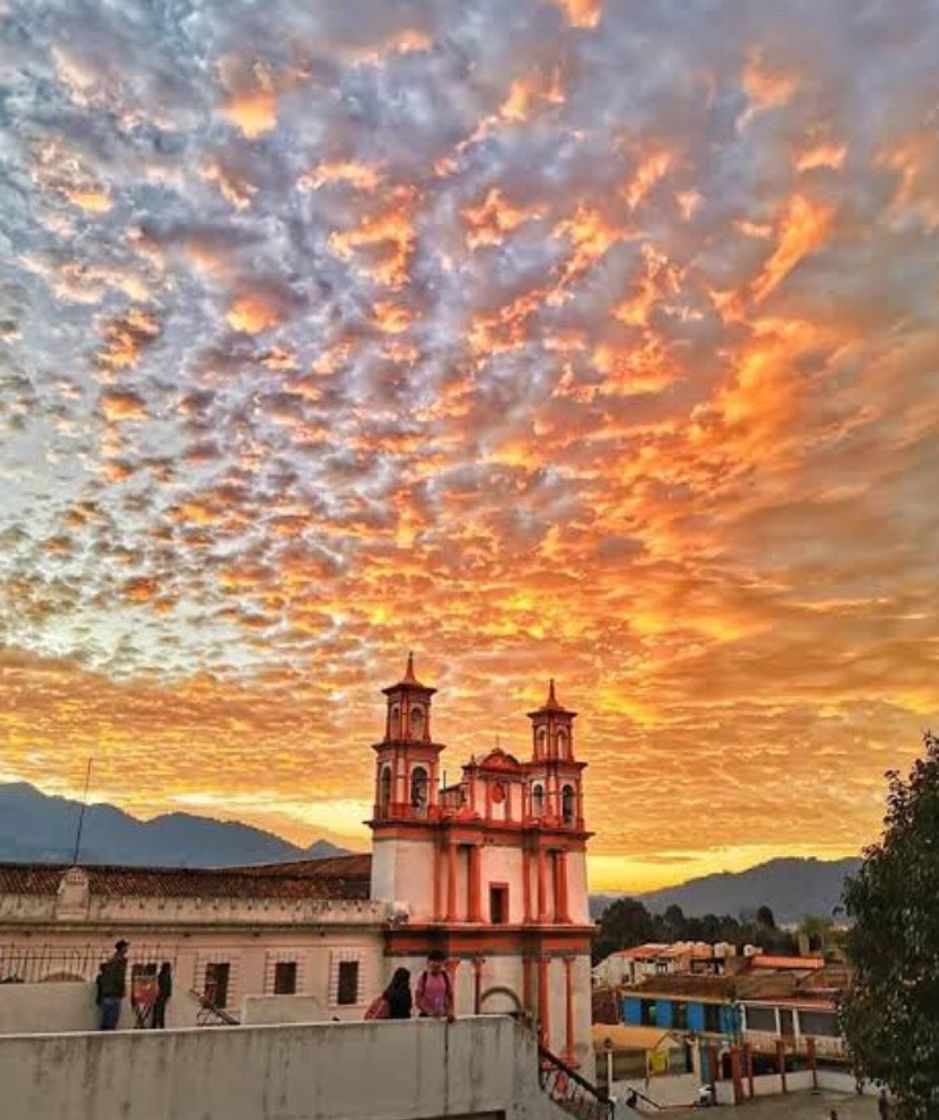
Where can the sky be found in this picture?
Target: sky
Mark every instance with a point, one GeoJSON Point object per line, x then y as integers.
{"type": "Point", "coordinates": [594, 339]}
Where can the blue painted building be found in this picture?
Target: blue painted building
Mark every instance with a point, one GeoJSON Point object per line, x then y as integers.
{"type": "Point", "coordinates": [715, 1014]}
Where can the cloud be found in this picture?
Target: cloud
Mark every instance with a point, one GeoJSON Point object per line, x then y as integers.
{"type": "Point", "coordinates": [603, 347]}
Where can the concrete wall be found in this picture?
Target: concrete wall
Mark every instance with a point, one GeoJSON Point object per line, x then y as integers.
{"type": "Point", "coordinates": [70, 1007]}
{"type": "Point", "coordinates": [257, 1011]}
{"type": "Point", "coordinates": [347, 1071]}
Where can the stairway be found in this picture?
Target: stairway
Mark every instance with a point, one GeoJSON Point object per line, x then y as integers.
{"type": "Point", "coordinates": [572, 1093]}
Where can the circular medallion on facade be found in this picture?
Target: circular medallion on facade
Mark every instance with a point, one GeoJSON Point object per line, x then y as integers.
{"type": "Point", "coordinates": [498, 792]}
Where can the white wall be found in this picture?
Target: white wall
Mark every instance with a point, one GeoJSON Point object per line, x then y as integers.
{"type": "Point", "coordinates": [502, 864]}
{"type": "Point", "coordinates": [70, 1007]}
{"type": "Point", "coordinates": [403, 871]}
{"type": "Point", "coordinates": [346, 1071]}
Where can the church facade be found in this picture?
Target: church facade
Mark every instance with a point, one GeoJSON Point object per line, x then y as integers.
{"type": "Point", "coordinates": [491, 869]}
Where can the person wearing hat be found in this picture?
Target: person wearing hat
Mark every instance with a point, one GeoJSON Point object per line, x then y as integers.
{"type": "Point", "coordinates": [112, 984]}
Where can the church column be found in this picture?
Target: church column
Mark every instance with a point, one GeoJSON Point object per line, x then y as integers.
{"type": "Point", "coordinates": [526, 884]}
{"type": "Point", "coordinates": [542, 862]}
{"type": "Point", "coordinates": [438, 882]}
{"type": "Point", "coordinates": [561, 913]}
{"type": "Point", "coordinates": [451, 882]}
{"type": "Point", "coordinates": [477, 983]}
{"type": "Point", "coordinates": [474, 884]}
{"type": "Point", "coordinates": [544, 1000]}
{"type": "Point", "coordinates": [569, 1009]}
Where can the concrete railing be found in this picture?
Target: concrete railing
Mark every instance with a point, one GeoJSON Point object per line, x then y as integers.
{"type": "Point", "coordinates": [417, 1070]}
{"type": "Point", "coordinates": [826, 1046]}
{"type": "Point", "coordinates": [69, 1007]}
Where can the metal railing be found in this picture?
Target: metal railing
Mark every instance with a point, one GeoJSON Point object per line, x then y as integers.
{"type": "Point", "coordinates": [209, 1015]}
{"type": "Point", "coordinates": [571, 1092]}
{"type": "Point", "coordinates": [36, 964]}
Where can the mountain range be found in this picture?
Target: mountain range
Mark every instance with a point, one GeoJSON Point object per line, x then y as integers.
{"type": "Point", "coordinates": [792, 888]}
{"type": "Point", "coordinates": [35, 827]}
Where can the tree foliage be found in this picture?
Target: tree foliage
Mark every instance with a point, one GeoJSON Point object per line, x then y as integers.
{"type": "Point", "coordinates": [890, 1012]}
{"type": "Point", "coordinates": [627, 923]}
{"type": "Point", "coordinates": [765, 917]}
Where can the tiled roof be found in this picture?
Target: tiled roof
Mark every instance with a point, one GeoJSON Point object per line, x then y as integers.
{"type": "Point", "coordinates": [170, 882]}
{"type": "Point", "coordinates": [689, 984]}
{"type": "Point", "coordinates": [801, 964]}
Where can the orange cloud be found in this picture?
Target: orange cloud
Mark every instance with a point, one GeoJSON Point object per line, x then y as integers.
{"type": "Point", "coordinates": [122, 405]}
{"type": "Point", "coordinates": [252, 314]}
{"type": "Point", "coordinates": [493, 218]}
{"type": "Point", "coordinates": [251, 102]}
{"type": "Point", "coordinates": [580, 13]}
{"type": "Point", "coordinates": [801, 229]}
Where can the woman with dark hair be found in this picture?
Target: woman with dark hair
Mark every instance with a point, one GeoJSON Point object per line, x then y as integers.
{"type": "Point", "coordinates": [395, 1000]}
{"type": "Point", "coordinates": [398, 995]}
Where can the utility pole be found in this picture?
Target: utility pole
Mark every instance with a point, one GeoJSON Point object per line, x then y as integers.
{"type": "Point", "coordinates": [81, 817]}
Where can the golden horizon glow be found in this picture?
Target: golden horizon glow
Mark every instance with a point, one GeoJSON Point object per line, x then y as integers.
{"type": "Point", "coordinates": [592, 343]}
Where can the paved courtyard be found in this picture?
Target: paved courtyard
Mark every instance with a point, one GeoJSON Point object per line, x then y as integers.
{"type": "Point", "coordinates": [793, 1106]}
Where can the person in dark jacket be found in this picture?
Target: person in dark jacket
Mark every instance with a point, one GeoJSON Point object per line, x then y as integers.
{"type": "Point", "coordinates": [112, 985]}
{"type": "Point", "coordinates": [164, 992]}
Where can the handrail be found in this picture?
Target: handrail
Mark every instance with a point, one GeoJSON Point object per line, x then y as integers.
{"type": "Point", "coordinates": [569, 1090]}
{"type": "Point", "coordinates": [207, 1009]}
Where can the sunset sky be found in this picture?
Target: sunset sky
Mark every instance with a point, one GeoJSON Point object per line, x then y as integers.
{"type": "Point", "coordinates": [595, 339]}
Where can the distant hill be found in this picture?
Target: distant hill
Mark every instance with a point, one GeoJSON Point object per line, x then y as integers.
{"type": "Point", "coordinates": [791, 888]}
{"type": "Point", "coordinates": [36, 827]}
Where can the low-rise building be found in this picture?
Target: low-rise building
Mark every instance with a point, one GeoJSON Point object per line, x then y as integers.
{"type": "Point", "coordinates": [631, 966]}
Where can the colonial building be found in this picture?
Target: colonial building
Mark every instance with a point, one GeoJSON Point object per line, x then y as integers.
{"type": "Point", "coordinates": [490, 869]}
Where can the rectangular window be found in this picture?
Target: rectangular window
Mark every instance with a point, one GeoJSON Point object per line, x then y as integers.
{"type": "Point", "coordinates": [680, 1016]}
{"type": "Point", "coordinates": [498, 904]}
{"type": "Point", "coordinates": [712, 1018]}
{"type": "Point", "coordinates": [761, 1019]}
{"type": "Point", "coordinates": [348, 991]}
{"type": "Point", "coordinates": [823, 1024]}
{"type": "Point", "coordinates": [649, 1013]}
{"type": "Point", "coordinates": [786, 1024]}
{"type": "Point", "coordinates": [285, 978]}
{"type": "Point", "coordinates": [217, 974]}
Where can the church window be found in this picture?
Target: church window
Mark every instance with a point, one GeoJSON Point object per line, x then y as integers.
{"type": "Point", "coordinates": [395, 721]}
{"type": "Point", "coordinates": [217, 975]}
{"type": "Point", "coordinates": [562, 745]}
{"type": "Point", "coordinates": [498, 903]}
{"type": "Point", "coordinates": [384, 790]}
{"type": "Point", "coordinates": [285, 978]}
{"type": "Point", "coordinates": [541, 742]}
{"type": "Point", "coordinates": [418, 787]}
{"type": "Point", "coordinates": [417, 722]}
{"type": "Point", "coordinates": [348, 983]}
{"type": "Point", "coordinates": [568, 804]}
{"type": "Point", "coordinates": [537, 800]}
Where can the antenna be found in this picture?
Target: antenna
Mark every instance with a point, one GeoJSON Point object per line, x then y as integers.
{"type": "Point", "coordinates": [81, 816]}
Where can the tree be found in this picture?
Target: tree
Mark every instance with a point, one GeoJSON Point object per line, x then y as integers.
{"type": "Point", "coordinates": [765, 918]}
{"type": "Point", "coordinates": [817, 930]}
{"type": "Point", "coordinates": [623, 924]}
{"type": "Point", "coordinates": [890, 1010]}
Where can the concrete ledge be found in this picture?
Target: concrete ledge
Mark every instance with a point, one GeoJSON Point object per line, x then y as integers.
{"type": "Point", "coordinates": [415, 1070]}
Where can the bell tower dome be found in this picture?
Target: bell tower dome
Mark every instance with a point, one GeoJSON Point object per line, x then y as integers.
{"type": "Point", "coordinates": [555, 789]}
{"type": "Point", "coordinates": [406, 778]}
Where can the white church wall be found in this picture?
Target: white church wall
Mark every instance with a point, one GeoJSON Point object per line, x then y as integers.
{"type": "Point", "coordinates": [500, 864]}
{"type": "Point", "coordinates": [403, 871]}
